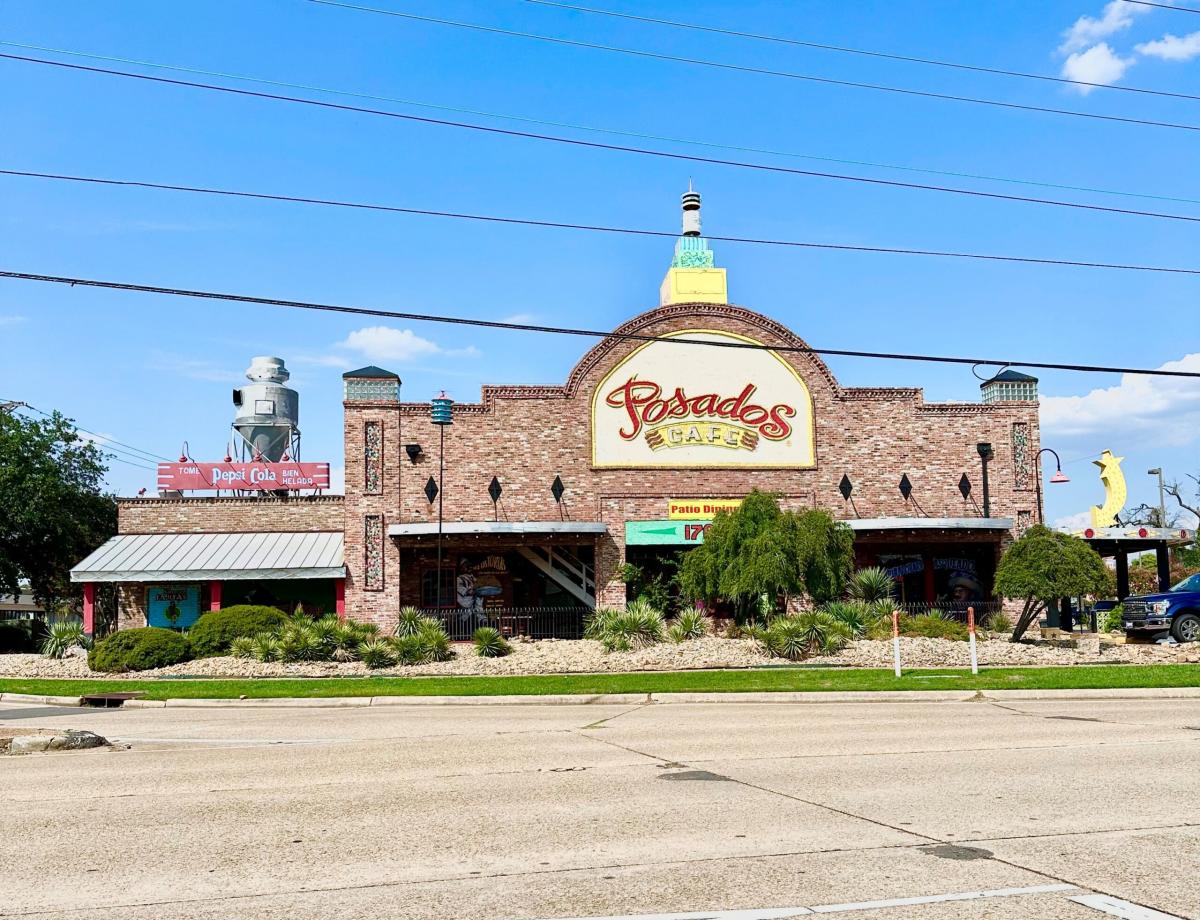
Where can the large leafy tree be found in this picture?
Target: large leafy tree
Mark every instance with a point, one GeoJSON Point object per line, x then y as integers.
{"type": "Point", "coordinates": [1043, 566]}
{"type": "Point", "coordinates": [53, 507]}
{"type": "Point", "coordinates": [760, 550]}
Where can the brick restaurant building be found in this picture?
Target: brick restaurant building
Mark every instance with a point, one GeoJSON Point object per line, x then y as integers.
{"type": "Point", "coordinates": [549, 490]}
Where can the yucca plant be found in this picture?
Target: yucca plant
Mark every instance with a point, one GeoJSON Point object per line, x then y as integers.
{"type": "Point", "coordinates": [411, 621]}
{"type": "Point", "coordinates": [998, 622]}
{"type": "Point", "coordinates": [859, 618]}
{"type": "Point", "coordinates": [377, 653]}
{"type": "Point", "coordinates": [299, 643]}
{"type": "Point", "coordinates": [489, 643]}
{"type": "Point", "coordinates": [242, 647]}
{"type": "Point", "coordinates": [597, 622]}
{"type": "Point", "coordinates": [327, 631]}
{"type": "Point", "coordinates": [267, 647]}
{"type": "Point", "coordinates": [803, 635]}
{"type": "Point", "coordinates": [690, 624]}
{"type": "Point", "coordinates": [64, 635]}
{"type": "Point", "coordinates": [637, 625]}
{"type": "Point", "coordinates": [871, 585]}
{"type": "Point", "coordinates": [435, 644]}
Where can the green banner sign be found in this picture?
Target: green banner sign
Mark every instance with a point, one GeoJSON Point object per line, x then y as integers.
{"type": "Point", "coordinates": [665, 533]}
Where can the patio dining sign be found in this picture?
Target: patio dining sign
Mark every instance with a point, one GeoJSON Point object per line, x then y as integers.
{"type": "Point", "coordinates": [677, 404]}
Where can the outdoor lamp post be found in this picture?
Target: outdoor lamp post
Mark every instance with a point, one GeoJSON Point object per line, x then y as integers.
{"type": "Point", "coordinates": [1162, 501]}
{"type": "Point", "coordinates": [986, 453]}
{"type": "Point", "coordinates": [1059, 476]}
{"type": "Point", "coordinates": [441, 412]}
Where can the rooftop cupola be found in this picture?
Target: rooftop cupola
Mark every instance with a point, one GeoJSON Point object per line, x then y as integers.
{"type": "Point", "coordinates": [692, 277]}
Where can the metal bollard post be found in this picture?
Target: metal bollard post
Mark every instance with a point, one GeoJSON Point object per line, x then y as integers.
{"type": "Point", "coordinates": [971, 638]}
{"type": "Point", "coordinates": [896, 639]}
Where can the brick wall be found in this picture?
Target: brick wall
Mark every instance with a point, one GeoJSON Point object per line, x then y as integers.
{"type": "Point", "coordinates": [230, 515]}
{"type": "Point", "coordinates": [526, 435]}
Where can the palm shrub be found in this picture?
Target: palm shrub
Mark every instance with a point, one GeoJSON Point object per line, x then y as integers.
{"type": "Point", "coordinates": [377, 653]}
{"type": "Point", "coordinates": [690, 624]}
{"type": "Point", "coordinates": [489, 643]}
{"type": "Point", "coordinates": [803, 635]}
{"type": "Point", "coordinates": [267, 647]}
{"type": "Point", "coordinates": [411, 621]}
{"type": "Point", "coordinates": [428, 645]}
{"type": "Point", "coordinates": [242, 647]}
{"type": "Point", "coordinates": [327, 631]}
{"type": "Point", "coordinates": [63, 636]}
{"type": "Point", "coordinates": [857, 617]}
{"type": "Point", "coordinates": [299, 642]}
{"type": "Point", "coordinates": [870, 585]}
{"type": "Point", "coordinates": [597, 622]}
{"type": "Point", "coordinates": [636, 626]}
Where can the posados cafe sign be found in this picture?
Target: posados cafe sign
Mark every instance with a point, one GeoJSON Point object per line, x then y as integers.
{"type": "Point", "coordinates": [675, 404]}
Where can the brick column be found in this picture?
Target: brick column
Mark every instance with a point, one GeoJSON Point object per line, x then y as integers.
{"type": "Point", "coordinates": [610, 555]}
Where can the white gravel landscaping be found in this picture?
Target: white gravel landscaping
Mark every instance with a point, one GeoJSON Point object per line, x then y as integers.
{"type": "Point", "coordinates": [585, 656]}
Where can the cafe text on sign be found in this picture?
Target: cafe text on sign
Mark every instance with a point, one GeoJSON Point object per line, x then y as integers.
{"type": "Point", "coordinates": [699, 509]}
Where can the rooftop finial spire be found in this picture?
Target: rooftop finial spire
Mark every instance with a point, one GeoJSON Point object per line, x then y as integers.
{"type": "Point", "coordinates": [691, 211]}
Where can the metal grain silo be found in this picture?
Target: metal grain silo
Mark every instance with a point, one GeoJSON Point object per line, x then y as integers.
{"type": "Point", "coordinates": [268, 413]}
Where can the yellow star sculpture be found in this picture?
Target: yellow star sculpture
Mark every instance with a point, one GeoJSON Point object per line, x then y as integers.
{"type": "Point", "coordinates": [1114, 491]}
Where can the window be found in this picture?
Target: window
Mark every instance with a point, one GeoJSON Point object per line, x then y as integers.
{"type": "Point", "coordinates": [429, 587]}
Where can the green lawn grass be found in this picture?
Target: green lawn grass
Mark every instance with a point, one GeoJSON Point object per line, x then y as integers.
{"type": "Point", "coordinates": [773, 679]}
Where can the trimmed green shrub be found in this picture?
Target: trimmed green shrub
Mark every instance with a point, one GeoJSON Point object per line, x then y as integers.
{"type": "Point", "coordinates": [933, 626]}
{"type": "Point", "coordinates": [690, 624]}
{"type": "Point", "coordinates": [63, 636]}
{"type": "Point", "coordinates": [215, 630]}
{"type": "Point", "coordinates": [803, 635]}
{"type": "Point", "coordinates": [139, 649]}
{"type": "Point", "coordinates": [489, 643]}
{"type": "Point", "coordinates": [377, 653]}
{"type": "Point", "coordinates": [1113, 619]}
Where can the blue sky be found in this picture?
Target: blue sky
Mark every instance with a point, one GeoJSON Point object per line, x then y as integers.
{"type": "Point", "coordinates": [154, 372]}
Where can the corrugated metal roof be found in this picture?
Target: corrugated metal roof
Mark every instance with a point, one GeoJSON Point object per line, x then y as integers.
{"type": "Point", "coordinates": [207, 556]}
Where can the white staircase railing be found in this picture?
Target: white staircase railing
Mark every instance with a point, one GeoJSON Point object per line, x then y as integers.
{"type": "Point", "coordinates": [566, 570]}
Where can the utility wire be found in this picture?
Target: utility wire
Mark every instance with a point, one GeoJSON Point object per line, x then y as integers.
{"type": "Point", "coordinates": [595, 145]}
{"type": "Point", "coordinates": [597, 228]}
{"type": "Point", "coordinates": [136, 452]}
{"type": "Point", "coordinates": [1165, 6]}
{"type": "Point", "coordinates": [779, 39]}
{"type": "Point", "coordinates": [588, 333]}
{"type": "Point", "coordinates": [641, 135]}
{"type": "Point", "coordinates": [763, 71]}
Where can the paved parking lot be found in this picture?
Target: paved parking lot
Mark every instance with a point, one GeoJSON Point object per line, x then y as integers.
{"type": "Point", "coordinates": [544, 812]}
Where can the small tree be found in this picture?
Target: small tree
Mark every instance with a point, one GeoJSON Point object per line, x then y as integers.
{"type": "Point", "coordinates": [759, 550]}
{"type": "Point", "coordinates": [1043, 566]}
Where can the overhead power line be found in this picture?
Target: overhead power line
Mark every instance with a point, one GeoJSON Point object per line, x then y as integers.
{"type": "Point", "coordinates": [762, 71]}
{"type": "Point", "coordinates": [1165, 6]}
{"type": "Point", "coordinates": [597, 228]}
{"type": "Point", "coordinates": [106, 442]}
{"type": "Point", "coordinates": [616, 132]}
{"type": "Point", "coordinates": [587, 333]}
{"type": "Point", "coordinates": [595, 145]}
{"type": "Point", "coordinates": [886, 55]}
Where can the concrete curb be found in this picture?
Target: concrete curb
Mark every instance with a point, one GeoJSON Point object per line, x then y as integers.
{"type": "Point", "coordinates": [44, 700]}
{"type": "Point", "coordinates": [633, 699]}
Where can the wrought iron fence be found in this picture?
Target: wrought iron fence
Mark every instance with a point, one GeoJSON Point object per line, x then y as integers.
{"type": "Point", "coordinates": [534, 622]}
{"type": "Point", "coordinates": [956, 610]}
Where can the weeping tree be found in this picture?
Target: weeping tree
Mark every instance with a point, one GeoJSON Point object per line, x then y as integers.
{"type": "Point", "coordinates": [1044, 566]}
{"type": "Point", "coordinates": [760, 550]}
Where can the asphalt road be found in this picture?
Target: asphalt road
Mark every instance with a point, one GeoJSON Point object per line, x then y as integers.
{"type": "Point", "coordinates": [578, 811]}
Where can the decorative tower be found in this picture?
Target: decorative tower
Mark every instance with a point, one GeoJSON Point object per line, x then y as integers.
{"type": "Point", "coordinates": [692, 277]}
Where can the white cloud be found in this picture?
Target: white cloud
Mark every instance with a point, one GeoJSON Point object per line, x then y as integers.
{"type": "Point", "coordinates": [1098, 64]}
{"type": "Point", "coordinates": [197, 369]}
{"type": "Point", "coordinates": [1080, 520]}
{"type": "Point", "coordinates": [1172, 47]}
{"type": "Point", "coordinates": [519, 318]}
{"type": "Point", "coordinates": [386, 343]}
{"type": "Point", "coordinates": [1116, 16]}
{"type": "Point", "coordinates": [12, 320]}
{"type": "Point", "coordinates": [1154, 410]}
